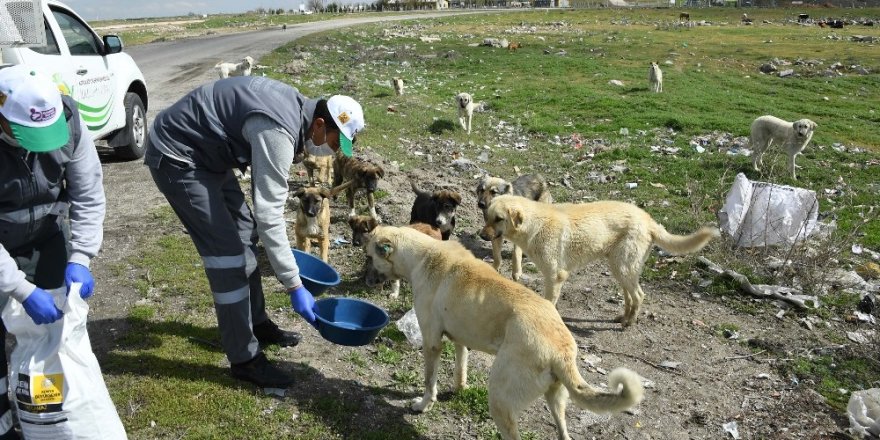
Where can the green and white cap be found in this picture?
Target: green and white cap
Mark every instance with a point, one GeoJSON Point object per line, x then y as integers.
{"type": "Point", "coordinates": [31, 102]}
{"type": "Point", "coordinates": [349, 117]}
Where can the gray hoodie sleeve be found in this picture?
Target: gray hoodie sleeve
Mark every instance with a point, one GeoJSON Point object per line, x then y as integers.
{"type": "Point", "coordinates": [272, 150]}
{"type": "Point", "coordinates": [12, 280]}
{"type": "Point", "coordinates": [87, 204]}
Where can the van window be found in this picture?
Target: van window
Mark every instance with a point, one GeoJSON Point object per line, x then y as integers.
{"type": "Point", "coordinates": [80, 38]}
{"type": "Point", "coordinates": [51, 47]}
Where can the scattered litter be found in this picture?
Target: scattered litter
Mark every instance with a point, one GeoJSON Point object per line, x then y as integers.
{"type": "Point", "coordinates": [592, 360]}
{"type": "Point", "coordinates": [340, 240]}
{"type": "Point", "coordinates": [780, 314]}
{"type": "Point", "coordinates": [857, 249]}
{"type": "Point", "coordinates": [866, 304]}
{"type": "Point", "coordinates": [409, 325]}
{"type": "Point", "coordinates": [647, 383]}
{"type": "Point", "coordinates": [762, 376]}
{"type": "Point", "coordinates": [869, 270]}
{"type": "Point", "coordinates": [730, 428]}
{"type": "Point", "coordinates": [274, 391]}
{"type": "Point", "coordinates": [865, 317]}
{"type": "Point", "coordinates": [672, 365]}
{"type": "Point", "coordinates": [787, 294]}
{"type": "Point", "coordinates": [631, 185]}
{"type": "Point", "coordinates": [860, 337]}
{"type": "Point", "coordinates": [761, 214]}
{"type": "Point", "coordinates": [616, 82]}
{"type": "Point", "coordinates": [863, 411]}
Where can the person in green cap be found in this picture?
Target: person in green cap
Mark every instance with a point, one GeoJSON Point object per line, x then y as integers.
{"type": "Point", "coordinates": [49, 173]}
{"type": "Point", "coordinates": [192, 149]}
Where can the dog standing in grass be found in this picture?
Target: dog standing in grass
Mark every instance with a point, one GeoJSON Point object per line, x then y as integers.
{"type": "Point", "coordinates": [793, 137]}
{"type": "Point", "coordinates": [466, 108]}
{"type": "Point", "coordinates": [362, 175]}
{"type": "Point", "coordinates": [398, 85]}
{"type": "Point", "coordinates": [313, 218]}
{"type": "Point", "coordinates": [655, 77]}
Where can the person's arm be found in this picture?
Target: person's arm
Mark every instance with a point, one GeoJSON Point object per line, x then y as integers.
{"type": "Point", "coordinates": [272, 150]}
{"type": "Point", "coordinates": [85, 190]}
{"type": "Point", "coordinates": [12, 280]}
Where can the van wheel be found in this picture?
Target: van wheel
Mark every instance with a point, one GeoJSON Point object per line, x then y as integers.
{"type": "Point", "coordinates": [134, 134]}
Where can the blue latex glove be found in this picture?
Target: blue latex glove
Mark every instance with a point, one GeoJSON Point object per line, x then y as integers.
{"type": "Point", "coordinates": [41, 307]}
{"type": "Point", "coordinates": [77, 273]}
{"type": "Point", "coordinates": [303, 303]}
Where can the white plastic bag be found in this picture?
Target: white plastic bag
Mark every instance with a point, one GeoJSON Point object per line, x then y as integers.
{"type": "Point", "coordinates": [59, 390]}
{"type": "Point", "coordinates": [409, 325]}
{"type": "Point", "coordinates": [864, 412]}
{"type": "Point", "coordinates": [764, 214]}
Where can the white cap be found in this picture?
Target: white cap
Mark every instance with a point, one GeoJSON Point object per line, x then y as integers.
{"type": "Point", "coordinates": [349, 117]}
{"type": "Point", "coordinates": [31, 102]}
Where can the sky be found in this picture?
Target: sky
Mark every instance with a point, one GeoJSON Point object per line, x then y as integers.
{"type": "Point", "coordinates": [108, 9]}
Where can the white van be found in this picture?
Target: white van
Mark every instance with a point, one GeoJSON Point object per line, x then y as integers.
{"type": "Point", "coordinates": [105, 82]}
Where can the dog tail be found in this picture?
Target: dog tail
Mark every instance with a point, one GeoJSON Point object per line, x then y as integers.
{"type": "Point", "coordinates": [683, 244]}
{"type": "Point", "coordinates": [418, 191]}
{"type": "Point", "coordinates": [624, 390]}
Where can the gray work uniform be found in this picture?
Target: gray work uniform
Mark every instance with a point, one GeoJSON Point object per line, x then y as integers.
{"type": "Point", "coordinates": [193, 148]}
{"type": "Point", "coordinates": [38, 192]}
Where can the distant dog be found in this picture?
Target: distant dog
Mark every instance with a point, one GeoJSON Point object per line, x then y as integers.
{"type": "Point", "coordinates": [464, 299]}
{"type": "Point", "coordinates": [684, 16]}
{"type": "Point", "coordinates": [363, 225]}
{"type": "Point", "coordinates": [530, 186]}
{"type": "Point", "coordinates": [563, 238]}
{"type": "Point", "coordinates": [313, 218]}
{"type": "Point", "coordinates": [235, 69]}
{"type": "Point", "coordinates": [655, 77]}
{"type": "Point", "coordinates": [363, 175]}
{"type": "Point", "coordinates": [466, 108]}
{"type": "Point", "coordinates": [398, 85]}
{"type": "Point", "coordinates": [745, 19]}
{"type": "Point", "coordinates": [513, 46]}
{"type": "Point", "coordinates": [436, 209]}
{"type": "Point", "coordinates": [320, 165]}
{"type": "Point", "coordinates": [792, 136]}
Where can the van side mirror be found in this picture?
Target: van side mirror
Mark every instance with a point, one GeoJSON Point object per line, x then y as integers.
{"type": "Point", "coordinates": [112, 44]}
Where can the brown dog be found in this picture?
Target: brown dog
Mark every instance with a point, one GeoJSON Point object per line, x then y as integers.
{"type": "Point", "coordinates": [513, 46]}
{"type": "Point", "coordinates": [320, 165]}
{"type": "Point", "coordinates": [363, 225]}
{"type": "Point", "coordinates": [563, 238]}
{"type": "Point", "coordinates": [362, 175]}
{"type": "Point", "coordinates": [313, 218]}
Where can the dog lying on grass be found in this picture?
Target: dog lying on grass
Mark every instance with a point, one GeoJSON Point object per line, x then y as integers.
{"type": "Point", "coordinates": [313, 218]}
{"type": "Point", "coordinates": [225, 70]}
{"type": "Point", "coordinates": [436, 209]}
{"type": "Point", "coordinates": [362, 175]}
{"type": "Point", "coordinates": [530, 186]}
{"type": "Point", "coordinates": [465, 299]}
{"type": "Point", "coordinates": [793, 137]}
{"type": "Point", "coordinates": [562, 238]}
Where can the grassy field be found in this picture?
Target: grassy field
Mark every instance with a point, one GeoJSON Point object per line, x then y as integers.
{"type": "Point", "coordinates": [549, 109]}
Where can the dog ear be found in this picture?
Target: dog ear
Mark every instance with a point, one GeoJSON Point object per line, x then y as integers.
{"type": "Point", "coordinates": [299, 193]}
{"type": "Point", "coordinates": [455, 197]}
{"type": "Point", "coordinates": [372, 224]}
{"type": "Point", "coordinates": [515, 216]}
{"type": "Point", "coordinates": [381, 172]}
{"type": "Point", "coordinates": [507, 188]}
{"type": "Point", "coordinates": [325, 193]}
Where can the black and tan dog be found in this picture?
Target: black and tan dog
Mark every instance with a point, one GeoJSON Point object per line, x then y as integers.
{"type": "Point", "coordinates": [313, 217]}
{"type": "Point", "coordinates": [363, 225]}
{"type": "Point", "coordinates": [362, 175]}
{"type": "Point", "coordinates": [531, 186]}
{"type": "Point", "coordinates": [435, 208]}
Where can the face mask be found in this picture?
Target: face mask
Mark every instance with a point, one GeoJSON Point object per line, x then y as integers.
{"type": "Point", "coordinates": [9, 140]}
{"type": "Point", "coordinates": [319, 150]}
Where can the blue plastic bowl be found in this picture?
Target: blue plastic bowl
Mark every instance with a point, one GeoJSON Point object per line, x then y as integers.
{"type": "Point", "coordinates": [349, 321]}
{"type": "Point", "coordinates": [317, 276]}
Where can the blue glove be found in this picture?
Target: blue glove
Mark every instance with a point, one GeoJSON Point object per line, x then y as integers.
{"type": "Point", "coordinates": [40, 306]}
{"type": "Point", "coordinates": [303, 303]}
{"type": "Point", "coordinates": [77, 273]}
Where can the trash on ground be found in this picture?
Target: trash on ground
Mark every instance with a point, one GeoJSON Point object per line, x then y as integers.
{"type": "Point", "coordinates": [731, 428]}
{"type": "Point", "coordinates": [863, 411]}
{"type": "Point", "coordinates": [409, 325]}
{"type": "Point", "coordinates": [787, 294]}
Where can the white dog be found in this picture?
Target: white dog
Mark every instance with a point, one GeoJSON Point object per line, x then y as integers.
{"type": "Point", "coordinates": [655, 76]}
{"type": "Point", "coordinates": [235, 69]}
{"type": "Point", "coordinates": [466, 107]}
{"type": "Point", "coordinates": [793, 136]}
{"type": "Point", "coordinates": [398, 85]}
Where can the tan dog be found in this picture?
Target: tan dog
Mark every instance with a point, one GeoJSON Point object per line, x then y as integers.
{"type": "Point", "coordinates": [225, 70]}
{"type": "Point", "coordinates": [313, 218]}
{"type": "Point", "coordinates": [562, 238]}
{"type": "Point", "coordinates": [363, 225]}
{"type": "Point", "coordinates": [463, 298]}
{"type": "Point", "coordinates": [513, 46]}
{"type": "Point", "coordinates": [320, 165]}
{"type": "Point", "coordinates": [530, 186]}
{"type": "Point", "coordinates": [793, 137]}
{"type": "Point", "coordinates": [362, 175]}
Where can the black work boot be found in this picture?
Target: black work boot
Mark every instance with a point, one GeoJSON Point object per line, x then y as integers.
{"type": "Point", "coordinates": [262, 373]}
{"type": "Point", "coordinates": [269, 333]}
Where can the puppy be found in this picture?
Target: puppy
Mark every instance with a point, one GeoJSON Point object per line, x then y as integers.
{"type": "Point", "coordinates": [363, 225]}
{"type": "Point", "coordinates": [463, 298]}
{"type": "Point", "coordinates": [436, 209]}
{"type": "Point", "coordinates": [313, 218]}
{"type": "Point", "coordinates": [362, 175]}
{"type": "Point", "coordinates": [513, 46]}
{"type": "Point", "coordinates": [235, 69]}
{"type": "Point", "coordinates": [655, 77]}
{"type": "Point", "coordinates": [792, 136]}
{"type": "Point", "coordinates": [398, 85]}
{"type": "Point", "coordinates": [320, 165]}
{"type": "Point", "coordinates": [684, 16]}
{"type": "Point", "coordinates": [466, 108]}
{"type": "Point", "coordinates": [562, 238]}
{"type": "Point", "coordinates": [530, 186]}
